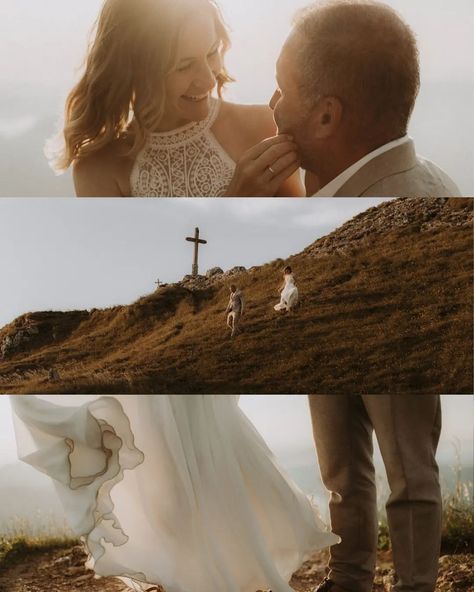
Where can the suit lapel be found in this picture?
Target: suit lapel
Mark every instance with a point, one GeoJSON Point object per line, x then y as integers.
{"type": "Point", "coordinates": [397, 160]}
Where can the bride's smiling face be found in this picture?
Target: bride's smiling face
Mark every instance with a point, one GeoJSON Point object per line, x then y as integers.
{"type": "Point", "coordinates": [198, 62]}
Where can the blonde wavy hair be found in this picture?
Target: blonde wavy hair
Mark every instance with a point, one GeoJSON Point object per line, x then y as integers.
{"type": "Point", "coordinates": [121, 93]}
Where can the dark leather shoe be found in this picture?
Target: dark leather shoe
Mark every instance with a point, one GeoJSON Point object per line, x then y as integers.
{"type": "Point", "coordinates": [328, 585]}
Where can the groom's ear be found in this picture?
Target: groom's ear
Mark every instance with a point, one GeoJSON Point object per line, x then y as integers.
{"type": "Point", "coordinates": [326, 117]}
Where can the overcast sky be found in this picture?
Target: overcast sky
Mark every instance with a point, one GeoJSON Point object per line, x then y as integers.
{"type": "Point", "coordinates": [71, 254]}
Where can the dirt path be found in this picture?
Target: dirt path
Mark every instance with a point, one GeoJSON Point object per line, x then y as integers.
{"type": "Point", "coordinates": [63, 571]}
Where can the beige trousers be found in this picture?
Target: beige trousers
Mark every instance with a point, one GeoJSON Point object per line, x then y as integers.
{"type": "Point", "coordinates": [233, 321]}
{"type": "Point", "coordinates": [407, 429]}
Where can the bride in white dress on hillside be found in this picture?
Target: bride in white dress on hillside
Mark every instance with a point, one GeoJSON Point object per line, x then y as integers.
{"type": "Point", "coordinates": [178, 491]}
{"type": "Point", "coordinates": [147, 118]}
{"type": "Point", "coordinates": [288, 292]}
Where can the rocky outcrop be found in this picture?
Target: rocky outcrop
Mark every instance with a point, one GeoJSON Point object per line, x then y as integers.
{"type": "Point", "coordinates": [38, 328]}
{"type": "Point", "coordinates": [15, 340]}
{"type": "Point", "coordinates": [410, 214]}
{"type": "Point", "coordinates": [214, 271]}
{"type": "Point", "coordinates": [213, 276]}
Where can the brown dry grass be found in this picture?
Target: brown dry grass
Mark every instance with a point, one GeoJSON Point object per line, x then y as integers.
{"type": "Point", "coordinates": [392, 313]}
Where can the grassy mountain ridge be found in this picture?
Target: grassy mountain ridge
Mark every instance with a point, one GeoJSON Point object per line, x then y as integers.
{"type": "Point", "coordinates": [386, 307]}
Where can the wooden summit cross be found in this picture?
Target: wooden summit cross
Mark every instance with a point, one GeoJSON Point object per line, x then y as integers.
{"type": "Point", "coordinates": [197, 241]}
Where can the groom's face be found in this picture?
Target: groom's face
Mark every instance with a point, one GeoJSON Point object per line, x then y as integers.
{"type": "Point", "coordinates": [289, 108]}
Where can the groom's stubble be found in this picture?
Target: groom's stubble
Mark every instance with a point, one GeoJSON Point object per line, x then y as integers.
{"type": "Point", "coordinates": [316, 123]}
{"type": "Point", "coordinates": [292, 114]}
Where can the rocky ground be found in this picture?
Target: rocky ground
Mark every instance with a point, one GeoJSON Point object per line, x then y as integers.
{"type": "Point", "coordinates": [64, 571]}
{"type": "Point", "coordinates": [411, 214]}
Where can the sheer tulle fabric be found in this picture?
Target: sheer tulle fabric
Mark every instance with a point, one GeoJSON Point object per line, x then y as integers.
{"type": "Point", "coordinates": [289, 295]}
{"type": "Point", "coordinates": [172, 490]}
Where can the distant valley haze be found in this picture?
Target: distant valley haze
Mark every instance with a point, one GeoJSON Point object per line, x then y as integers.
{"type": "Point", "coordinates": [282, 420]}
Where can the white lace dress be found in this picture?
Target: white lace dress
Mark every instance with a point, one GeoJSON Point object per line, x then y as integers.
{"type": "Point", "coordinates": [186, 162]}
{"type": "Point", "coordinates": [289, 294]}
{"type": "Point", "coordinates": [173, 490]}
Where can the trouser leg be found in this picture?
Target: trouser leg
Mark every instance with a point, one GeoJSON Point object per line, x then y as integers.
{"type": "Point", "coordinates": [236, 323]}
{"type": "Point", "coordinates": [233, 320]}
{"type": "Point", "coordinates": [230, 321]}
{"type": "Point", "coordinates": [408, 429]}
{"type": "Point", "coordinates": [343, 437]}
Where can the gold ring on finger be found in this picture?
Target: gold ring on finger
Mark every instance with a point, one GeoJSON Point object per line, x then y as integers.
{"type": "Point", "coordinates": [272, 170]}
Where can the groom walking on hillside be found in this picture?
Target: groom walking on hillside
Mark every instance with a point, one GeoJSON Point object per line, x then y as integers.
{"type": "Point", "coordinates": [407, 429]}
{"type": "Point", "coordinates": [234, 310]}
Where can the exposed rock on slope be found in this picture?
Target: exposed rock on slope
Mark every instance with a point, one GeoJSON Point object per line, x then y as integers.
{"type": "Point", "coordinates": [386, 307]}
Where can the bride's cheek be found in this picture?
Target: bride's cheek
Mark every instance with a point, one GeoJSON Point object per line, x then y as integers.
{"type": "Point", "coordinates": [176, 84]}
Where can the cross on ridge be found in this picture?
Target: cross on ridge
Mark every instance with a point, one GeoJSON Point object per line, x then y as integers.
{"type": "Point", "coordinates": [197, 241]}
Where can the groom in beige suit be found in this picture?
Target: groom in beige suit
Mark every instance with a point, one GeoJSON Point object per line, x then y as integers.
{"type": "Point", "coordinates": [348, 77]}
{"type": "Point", "coordinates": [407, 429]}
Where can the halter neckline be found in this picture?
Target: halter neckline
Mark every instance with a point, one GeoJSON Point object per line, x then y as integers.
{"type": "Point", "coordinates": [189, 130]}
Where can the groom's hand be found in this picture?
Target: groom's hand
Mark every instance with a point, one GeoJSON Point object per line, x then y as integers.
{"type": "Point", "coordinates": [263, 168]}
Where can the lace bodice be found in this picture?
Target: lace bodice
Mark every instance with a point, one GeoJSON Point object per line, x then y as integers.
{"type": "Point", "coordinates": [186, 162]}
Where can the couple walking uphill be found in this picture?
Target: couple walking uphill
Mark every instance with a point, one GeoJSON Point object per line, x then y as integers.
{"type": "Point", "coordinates": [144, 120]}
{"type": "Point", "coordinates": [181, 491]}
{"type": "Point", "coordinates": [235, 308]}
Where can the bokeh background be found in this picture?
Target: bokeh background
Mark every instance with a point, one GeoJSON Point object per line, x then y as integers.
{"type": "Point", "coordinates": [43, 44]}
{"type": "Point", "coordinates": [28, 497]}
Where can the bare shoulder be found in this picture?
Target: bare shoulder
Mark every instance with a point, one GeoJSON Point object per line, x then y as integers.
{"type": "Point", "coordinates": [104, 173]}
{"type": "Point", "coordinates": [254, 122]}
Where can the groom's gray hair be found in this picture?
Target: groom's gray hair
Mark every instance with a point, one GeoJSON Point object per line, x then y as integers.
{"type": "Point", "coordinates": [362, 52]}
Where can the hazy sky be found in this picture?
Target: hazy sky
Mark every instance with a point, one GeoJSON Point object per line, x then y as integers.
{"type": "Point", "coordinates": [42, 47]}
{"type": "Point", "coordinates": [60, 254]}
{"type": "Point", "coordinates": [47, 40]}
{"type": "Point", "coordinates": [283, 420]}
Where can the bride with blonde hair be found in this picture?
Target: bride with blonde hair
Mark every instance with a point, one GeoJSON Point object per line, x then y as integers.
{"type": "Point", "coordinates": [147, 118]}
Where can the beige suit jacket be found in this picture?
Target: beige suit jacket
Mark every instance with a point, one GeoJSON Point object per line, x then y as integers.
{"type": "Point", "coordinates": [399, 172]}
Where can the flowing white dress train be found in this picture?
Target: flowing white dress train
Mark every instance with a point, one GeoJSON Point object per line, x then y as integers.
{"type": "Point", "coordinates": [173, 490]}
{"type": "Point", "coordinates": [289, 294]}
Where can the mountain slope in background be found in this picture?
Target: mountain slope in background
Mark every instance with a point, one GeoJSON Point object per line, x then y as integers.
{"type": "Point", "coordinates": [386, 307]}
